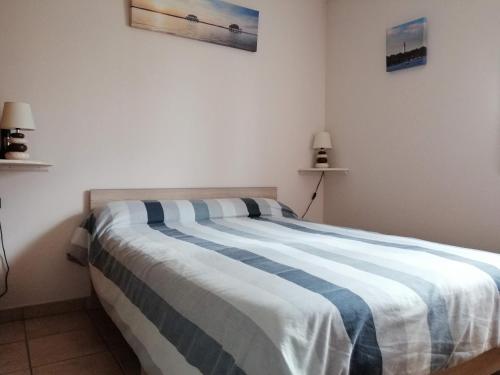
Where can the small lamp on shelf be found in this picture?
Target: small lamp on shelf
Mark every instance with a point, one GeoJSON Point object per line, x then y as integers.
{"type": "Point", "coordinates": [16, 117]}
{"type": "Point", "coordinates": [322, 142]}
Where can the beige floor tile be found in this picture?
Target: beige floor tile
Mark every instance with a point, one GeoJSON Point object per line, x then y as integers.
{"type": "Point", "coordinates": [96, 364]}
{"type": "Point", "coordinates": [11, 332]}
{"type": "Point", "coordinates": [51, 325]}
{"type": "Point", "coordinates": [50, 349]}
{"type": "Point", "coordinates": [13, 357]}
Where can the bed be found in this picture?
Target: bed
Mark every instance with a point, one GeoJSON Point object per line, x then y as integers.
{"type": "Point", "coordinates": [228, 281]}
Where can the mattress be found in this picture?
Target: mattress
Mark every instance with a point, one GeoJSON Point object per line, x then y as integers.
{"type": "Point", "coordinates": [241, 286]}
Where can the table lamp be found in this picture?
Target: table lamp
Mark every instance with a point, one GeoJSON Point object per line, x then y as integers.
{"type": "Point", "coordinates": [15, 117]}
{"type": "Point", "coordinates": [322, 142]}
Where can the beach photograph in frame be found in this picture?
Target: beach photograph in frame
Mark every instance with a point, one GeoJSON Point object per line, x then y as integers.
{"type": "Point", "coordinates": [212, 21]}
{"type": "Point", "coordinates": [407, 45]}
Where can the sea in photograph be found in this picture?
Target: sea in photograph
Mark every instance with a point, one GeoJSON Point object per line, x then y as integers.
{"type": "Point", "coordinates": [194, 29]}
{"type": "Point", "coordinates": [407, 64]}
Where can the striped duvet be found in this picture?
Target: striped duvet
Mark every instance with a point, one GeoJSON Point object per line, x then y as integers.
{"type": "Point", "coordinates": [240, 286]}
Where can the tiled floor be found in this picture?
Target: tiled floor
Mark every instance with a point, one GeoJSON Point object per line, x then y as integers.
{"type": "Point", "coordinates": [77, 343]}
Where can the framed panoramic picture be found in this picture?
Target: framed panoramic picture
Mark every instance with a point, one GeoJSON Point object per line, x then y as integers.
{"type": "Point", "coordinates": [212, 21]}
{"type": "Point", "coordinates": [407, 45]}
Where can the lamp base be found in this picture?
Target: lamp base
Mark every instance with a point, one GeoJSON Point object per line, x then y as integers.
{"type": "Point", "coordinates": [321, 159]}
{"type": "Point", "coordinates": [12, 155]}
{"type": "Point", "coordinates": [16, 150]}
{"type": "Point", "coordinates": [322, 165]}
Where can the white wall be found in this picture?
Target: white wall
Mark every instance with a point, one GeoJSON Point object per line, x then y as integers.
{"type": "Point", "coordinates": [122, 107]}
{"type": "Point", "coordinates": [423, 144]}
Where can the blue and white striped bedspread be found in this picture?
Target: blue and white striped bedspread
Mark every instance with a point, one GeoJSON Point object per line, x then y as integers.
{"type": "Point", "coordinates": [240, 286]}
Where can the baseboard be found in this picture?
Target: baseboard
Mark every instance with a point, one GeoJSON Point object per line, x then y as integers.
{"type": "Point", "coordinates": [51, 308]}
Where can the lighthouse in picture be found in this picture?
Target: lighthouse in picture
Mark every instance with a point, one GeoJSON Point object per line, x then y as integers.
{"type": "Point", "coordinates": [406, 45]}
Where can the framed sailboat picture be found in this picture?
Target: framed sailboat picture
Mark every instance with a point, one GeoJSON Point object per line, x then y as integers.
{"type": "Point", "coordinates": [407, 45]}
{"type": "Point", "coordinates": [213, 21]}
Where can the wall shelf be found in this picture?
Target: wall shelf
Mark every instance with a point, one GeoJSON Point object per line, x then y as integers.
{"type": "Point", "coordinates": [332, 170]}
{"type": "Point", "coordinates": [23, 164]}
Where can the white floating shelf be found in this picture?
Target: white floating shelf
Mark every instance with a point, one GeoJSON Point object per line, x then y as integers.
{"type": "Point", "coordinates": [23, 164]}
{"type": "Point", "coordinates": [311, 170]}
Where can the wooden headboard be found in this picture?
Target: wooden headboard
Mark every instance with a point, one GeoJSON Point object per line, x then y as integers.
{"type": "Point", "coordinates": [99, 198]}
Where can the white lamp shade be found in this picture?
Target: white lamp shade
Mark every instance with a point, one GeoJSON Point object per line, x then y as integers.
{"type": "Point", "coordinates": [17, 116]}
{"type": "Point", "coordinates": [322, 140]}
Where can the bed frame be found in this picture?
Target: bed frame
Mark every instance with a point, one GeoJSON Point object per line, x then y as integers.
{"type": "Point", "coordinates": [486, 364]}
